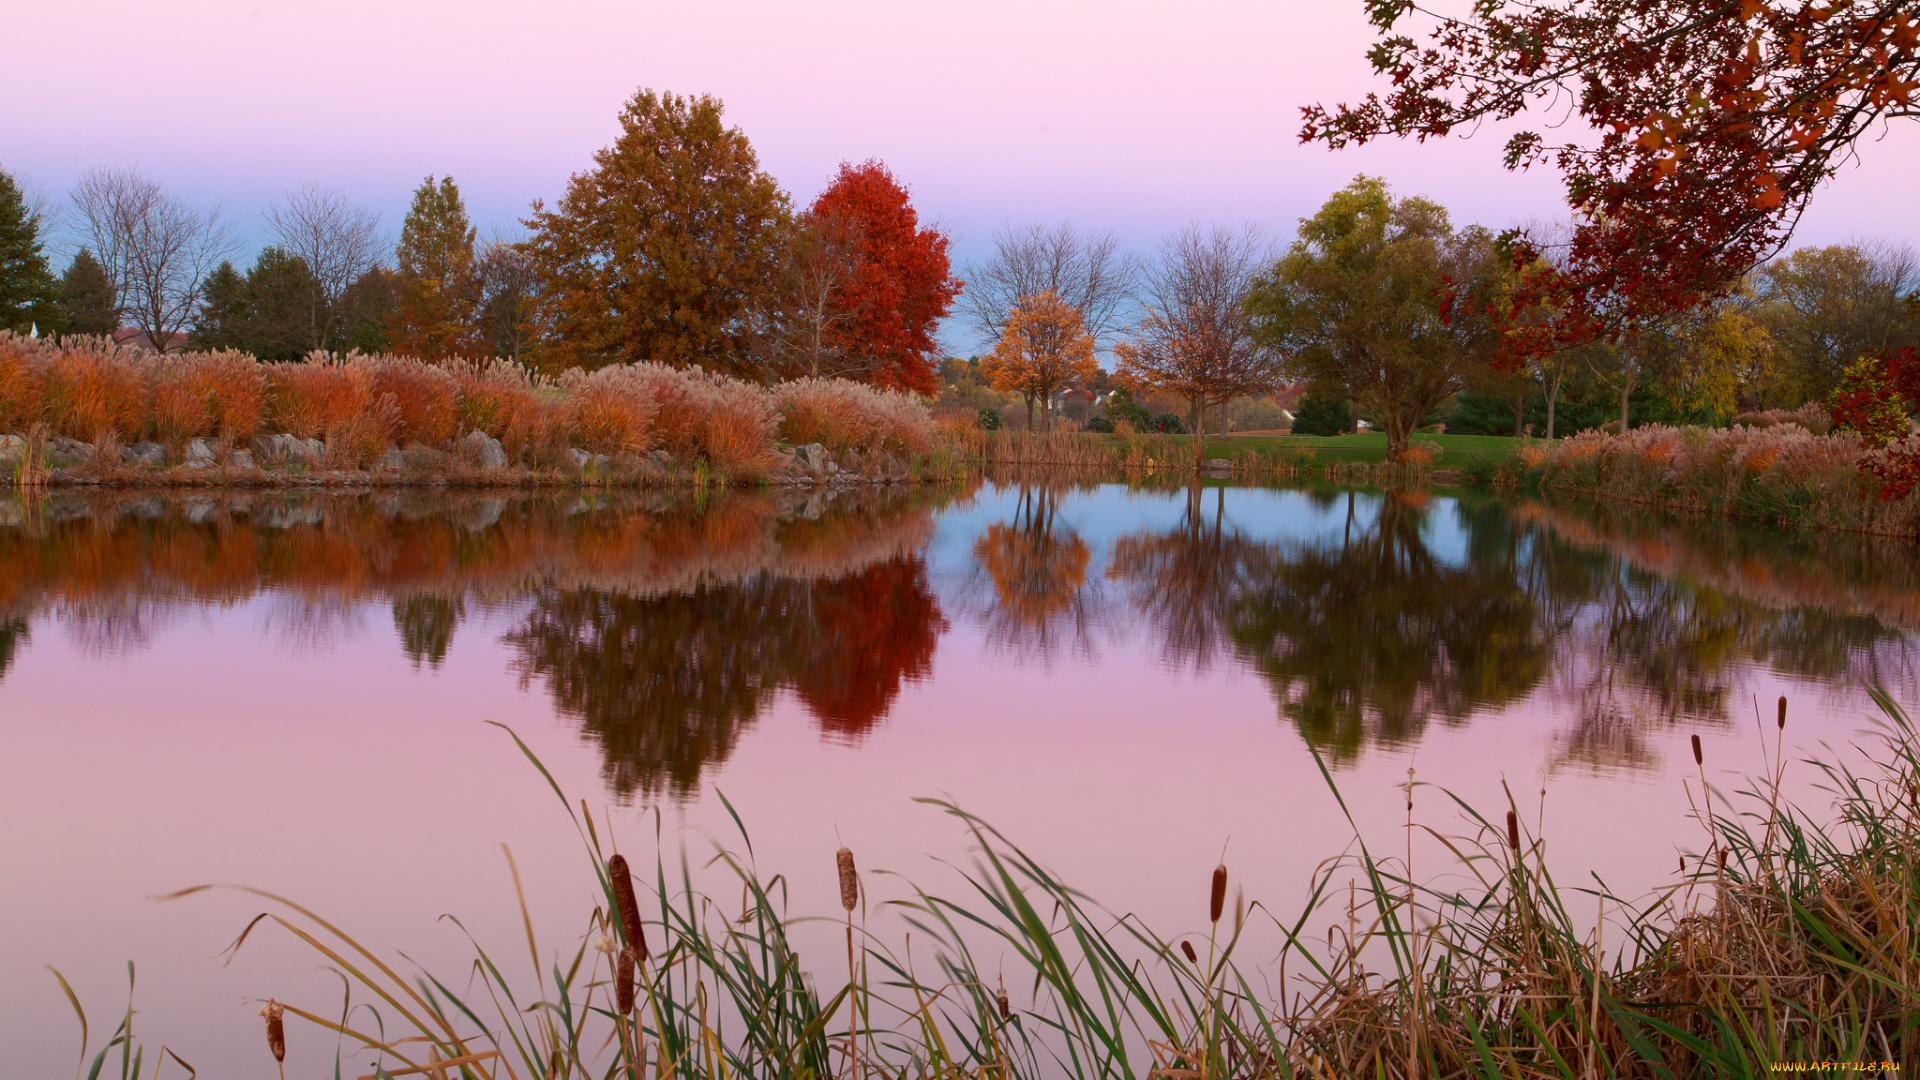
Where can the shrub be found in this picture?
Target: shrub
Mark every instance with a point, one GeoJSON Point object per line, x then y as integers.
{"type": "Point", "coordinates": [1169, 424]}
{"type": "Point", "coordinates": [1321, 414]}
{"type": "Point", "coordinates": [988, 420]}
{"type": "Point", "coordinates": [1867, 402]}
{"type": "Point", "coordinates": [1812, 416]}
{"type": "Point", "coordinates": [843, 415]}
{"type": "Point", "coordinates": [95, 391]}
{"type": "Point", "coordinates": [1100, 425]}
{"type": "Point", "coordinates": [426, 399]}
{"type": "Point", "coordinates": [23, 381]}
{"type": "Point", "coordinates": [613, 409]}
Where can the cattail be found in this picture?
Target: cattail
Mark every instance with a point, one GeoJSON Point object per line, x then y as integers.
{"type": "Point", "coordinates": [1723, 860]}
{"type": "Point", "coordinates": [1218, 901]}
{"type": "Point", "coordinates": [849, 881]}
{"type": "Point", "coordinates": [1006, 1010]}
{"type": "Point", "coordinates": [623, 981]}
{"type": "Point", "coordinates": [623, 899]}
{"type": "Point", "coordinates": [1187, 947]}
{"type": "Point", "coordinates": [1697, 759]}
{"type": "Point", "coordinates": [276, 1030]}
{"type": "Point", "coordinates": [1783, 712]}
{"type": "Point", "coordinates": [1513, 830]}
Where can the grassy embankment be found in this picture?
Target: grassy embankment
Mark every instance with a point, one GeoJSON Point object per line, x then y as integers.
{"type": "Point", "coordinates": [1781, 475]}
{"type": "Point", "coordinates": [86, 410]}
{"type": "Point", "coordinates": [1787, 937]}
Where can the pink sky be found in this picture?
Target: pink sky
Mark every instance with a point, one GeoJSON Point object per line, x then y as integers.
{"type": "Point", "coordinates": [1123, 115]}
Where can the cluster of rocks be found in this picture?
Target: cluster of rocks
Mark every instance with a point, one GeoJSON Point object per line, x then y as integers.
{"type": "Point", "coordinates": [305, 460]}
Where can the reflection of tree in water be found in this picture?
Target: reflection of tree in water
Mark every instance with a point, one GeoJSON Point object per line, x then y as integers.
{"type": "Point", "coordinates": [667, 684]}
{"type": "Point", "coordinates": [1038, 569]}
{"type": "Point", "coordinates": [14, 633]}
{"type": "Point", "coordinates": [426, 624]}
{"type": "Point", "coordinates": [1365, 639]}
{"type": "Point", "coordinates": [1188, 581]}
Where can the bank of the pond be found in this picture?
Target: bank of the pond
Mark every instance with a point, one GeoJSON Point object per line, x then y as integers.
{"type": "Point", "coordinates": [1788, 939]}
{"type": "Point", "coordinates": [1781, 475]}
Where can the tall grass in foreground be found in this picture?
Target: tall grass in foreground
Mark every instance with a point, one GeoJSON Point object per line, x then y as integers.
{"type": "Point", "coordinates": [1779, 473]}
{"type": "Point", "coordinates": [1787, 938]}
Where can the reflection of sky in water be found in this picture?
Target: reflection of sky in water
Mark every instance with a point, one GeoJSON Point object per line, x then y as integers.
{"type": "Point", "coordinates": [324, 739]}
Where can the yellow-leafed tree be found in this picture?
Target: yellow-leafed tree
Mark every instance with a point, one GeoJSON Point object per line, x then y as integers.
{"type": "Point", "coordinates": [1044, 347]}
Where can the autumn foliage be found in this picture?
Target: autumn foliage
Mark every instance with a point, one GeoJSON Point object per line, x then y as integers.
{"type": "Point", "coordinates": [1044, 348]}
{"type": "Point", "coordinates": [899, 285]}
{"type": "Point", "coordinates": [1716, 121]}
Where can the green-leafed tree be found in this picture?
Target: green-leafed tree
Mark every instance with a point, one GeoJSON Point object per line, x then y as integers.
{"type": "Point", "coordinates": [1381, 298]}
{"type": "Point", "coordinates": [85, 297]}
{"type": "Point", "coordinates": [279, 302]}
{"type": "Point", "coordinates": [432, 312]}
{"type": "Point", "coordinates": [664, 249]}
{"type": "Point", "coordinates": [26, 285]}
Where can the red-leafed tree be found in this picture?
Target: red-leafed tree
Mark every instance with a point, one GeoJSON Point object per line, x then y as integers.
{"type": "Point", "coordinates": [899, 283]}
{"type": "Point", "coordinates": [1711, 122]}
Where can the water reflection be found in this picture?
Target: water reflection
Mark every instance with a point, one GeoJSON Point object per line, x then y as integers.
{"type": "Point", "coordinates": [665, 628]}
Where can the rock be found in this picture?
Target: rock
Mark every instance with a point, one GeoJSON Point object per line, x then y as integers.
{"type": "Point", "coordinates": [201, 450]}
{"type": "Point", "coordinates": [660, 459]}
{"type": "Point", "coordinates": [580, 457]}
{"type": "Point", "coordinates": [289, 450]}
{"type": "Point", "coordinates": [241, 459]}
{"type": "Point", "coordinates": [1219, 463]}
{"type": "Point", "coordinates": [391, 461]}
{"type": "Point", "coordinates": [70, 448]}
{"type": "Point", "coordinates": [12, 448]}
{"type": "Point", "coordinates": [484, 449]}
{"type": "Point", "coordinates": [833, 468]}
{"type": "Point", "coordinates": [144, 453]}
{"type": "Point", "coordinates": [811, 458]}
{"type": "Point", "coordinates": [584, 461]}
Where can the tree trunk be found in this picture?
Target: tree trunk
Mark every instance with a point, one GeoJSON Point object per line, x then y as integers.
{"type": "Point", "coordinates": [1553, 400]}
{"type": "Point", "coordinates": [1029, 414]}
{"type": "Point", "coordinates": [1626, 396]}
{"type": "Point", "coordinates": [1520, 415]}
{"type": "Point", "coordinates": [1199, 433]}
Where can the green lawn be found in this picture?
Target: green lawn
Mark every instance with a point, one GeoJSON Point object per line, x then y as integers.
{"type": "Point", "coordinates": [1371, 445]}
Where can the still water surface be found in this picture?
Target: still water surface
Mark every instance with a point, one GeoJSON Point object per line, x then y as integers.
{"type": "Point", "coordinates": [289, 692]}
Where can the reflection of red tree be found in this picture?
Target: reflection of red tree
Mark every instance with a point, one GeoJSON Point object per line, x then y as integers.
{"type": "Point", "coordinates": [874, 631]}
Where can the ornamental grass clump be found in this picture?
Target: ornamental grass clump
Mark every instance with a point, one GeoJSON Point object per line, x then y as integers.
{"type": "Point", "coordinates": [842, 415]}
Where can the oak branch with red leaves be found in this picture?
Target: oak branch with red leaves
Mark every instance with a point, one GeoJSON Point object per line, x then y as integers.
{"type": "Point", "coordinates": [1711, 121]}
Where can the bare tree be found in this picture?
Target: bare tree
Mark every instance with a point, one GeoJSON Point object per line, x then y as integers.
{"type": "Point", "coordinates": [1194, 336]}
{"type": "Point", "coordinates": [1086, 270]}
{"type": "Point", "coordinates": [507, 282]}
{"type": "Point", "coordinates": [337, 240]}
{"type": "Point", "coordinates": [820, 257]}
{"type": "Point", "coordinates": [157, 250]}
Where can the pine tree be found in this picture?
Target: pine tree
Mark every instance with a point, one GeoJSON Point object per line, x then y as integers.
{"type": "Point", "coordinates": [279, 297]}
{"type": "Point", "coordinates": [26, 285]}
{"type": "Point", "coordinates": [435, 259]}
{"type": "Point", "coordinates": [221, 321]}
{"type": "Point", "coordinates": [85, 298]}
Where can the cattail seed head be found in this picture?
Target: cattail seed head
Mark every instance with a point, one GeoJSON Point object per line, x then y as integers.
{"type": "Point", "coordinates": [1218, 901]}
{"type": "Point", "coordinates": [849, 880]}
{"type": "Point", "coordinates": [623, 981]}
{"type": "Point", "coordinates": [1723, 860]}
{"type": "Point", "coordinates": [629, 907]}
{"type": "Point", "coordinates": [1006, 1010]}
{"type": "Point", "coordinates": [276, 1029]}
{"type": "Point", "coordinates": [1513, 830]}
{"type": "Point", "coordinates": [1783, 711]}
{"type": "Point", "coordinates": [1187, 947]}
{"type": "Point", "coordinates": [1697, 759]}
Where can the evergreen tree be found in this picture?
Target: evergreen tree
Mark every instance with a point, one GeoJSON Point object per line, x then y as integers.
{"type": "Point", "coordinates": [279, 296]}
{"type": "Point", "coordinates": [26, 285]}
{"type": "Point", "coordinates": [85, 298]}
{"type": "Point", "coordinates": [1323, 414]}
{"type": "Point", "coordinates": [366, 311]}
{"type": "Point", "coordinates": [435, 259]}
{"type": "Point", "coordinates": [221, 322]}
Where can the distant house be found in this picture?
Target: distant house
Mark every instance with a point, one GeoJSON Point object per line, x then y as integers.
{"type": "Point", "coordinates": [135, 339]}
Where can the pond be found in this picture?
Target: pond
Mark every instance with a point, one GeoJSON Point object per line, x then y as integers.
{"type": "Point", "coordinates": [290, 691]}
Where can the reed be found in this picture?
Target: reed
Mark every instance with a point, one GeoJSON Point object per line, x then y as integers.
{"type": "Point", "coordinates": [1781, 474]}
{"type": "Point", "coordinates": [1789, 939]}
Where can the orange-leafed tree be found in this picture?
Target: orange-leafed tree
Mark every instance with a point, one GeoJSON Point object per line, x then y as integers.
{"type": "Point", "coordinates": [1043, 349]}
{"type": "Point", "coordinates": [664, 249]}
{"type": "Point", "coordinates": [898, 281]}
{"type": "Point", "coordinates": [435, 257]}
